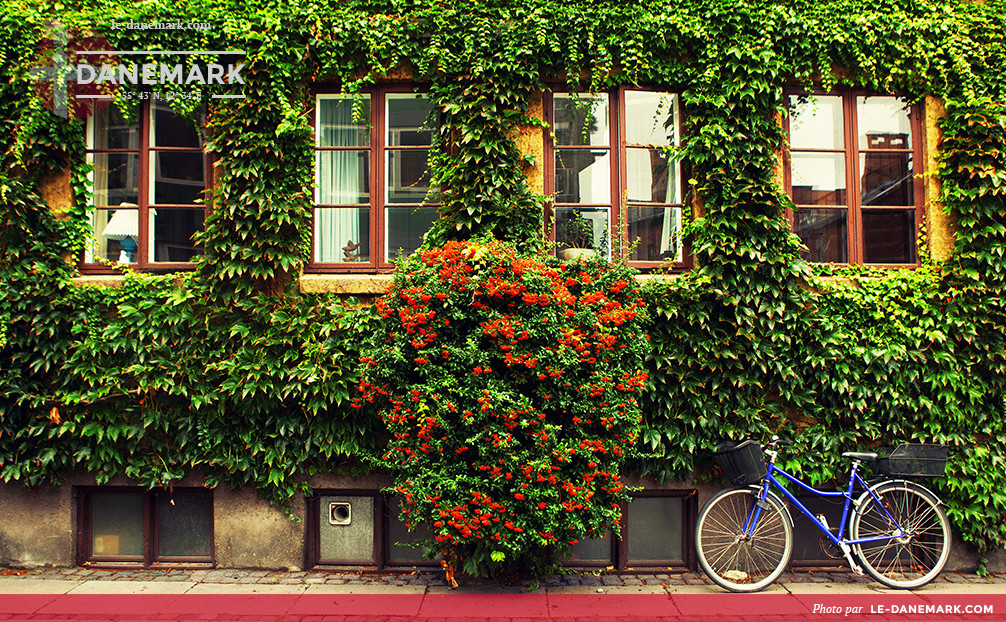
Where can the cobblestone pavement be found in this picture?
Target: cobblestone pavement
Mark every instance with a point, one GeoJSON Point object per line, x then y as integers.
{"type": "Point", "coordinates": [435, 578]}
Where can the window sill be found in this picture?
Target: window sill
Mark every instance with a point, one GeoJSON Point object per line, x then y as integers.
{"type": "Point", "coordinates": [351, 284]}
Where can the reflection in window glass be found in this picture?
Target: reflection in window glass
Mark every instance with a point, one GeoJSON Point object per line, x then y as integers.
{"type": "Point", "coordinates": [406, 227]}
{"type": "Point", "coordinates": [650, 118]}
{"type": "Point", "coordinates": [658, 231]}
{"type": "Point", "coordinates": [584, 228]}
{"type": "Point", "coordinates": [408, 176]}
{"type": "Point", "coordinates": [887, 178]}
{"type": "Point", "coordinates": [889, 236]}
{"type": "Point", "coordinates": [591, 550]}
{"type": "Point", "coordinates": [824, 232]}
{"type": "Point", "coordinates": [818, 178]}
{"type": "Point", "coordinates": [184, 524]}
{"type": "Point", "coordinates": [178, 177]}
{"type": "Point", "coordinates": [652, 177]}
{"type": "Point", "coordinates": [111, 130]}
{"type": "Point", "coordinates": [884, 123]}
{"type": "Point", "coordinates": [172, 130]}
{"type": "Point", "coordinates": [572, 120]}
{"type": "Point", "coordinates": [407, 116]}
{"type": "Point", "coordinates": [400, 539]}
{"type": "Point", "coordinates": [172, 234]}
{"type": "Point", "coordinates": [116, 178]}
{"type": "Point", "coordinates": [117, 524]}
{"type": "Point", "coordinates": [582, 176]}
{"type": "Point", "coordinates": [816, 123]}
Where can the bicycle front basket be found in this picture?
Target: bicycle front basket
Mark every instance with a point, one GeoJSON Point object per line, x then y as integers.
{"type": "Point", "coordinates": [913, 460]}
{"type": "Point", "coordinates": [743, 463]}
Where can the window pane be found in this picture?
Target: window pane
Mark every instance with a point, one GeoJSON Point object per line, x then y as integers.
{"type": "Point", "coordinates": [582, 176]}
{"type": "Point", "coordinates": [406, 117]}
{"type": "Point", "coordinates": [171, 130]}
{"type": "Point", "coordinates": [178, 177]}
{"type": "Point", "coordinates": [825, 233]}
{"type": "Point", "coordinates": [115, 236]}
{"type": "Point", "coordinates": [817, 124]}
{"type": "Point", "coordinates": [172, 233]}
{"type": "Point", "coordinates": [650, 118]}
{"type": "Point", "coordinates": [399, 537]}
{"type": "Point", "coordinates": [570, 120]}
{"type": "Point", "coordinates": [343, 177]}
{"type": "Point", "coordinates": [889, 236]}
{"type": "Point", "coordinates": [346, 527]}
{"type": "Point", "coordinates": [581, 228]}
{"type": "Point", "coordinates": [341, 235]}
{"type": "Point", "coordinates": [406, 227]}
{"type": "Point", "coordinates": [110, 130]}
{"type": "Point", "coordinates": [184, 524]}
{"type": "Point", "coordinates": [818, 179]}
{"type": "Point", "coordinates": [654, 525]}
{"type": "Point", "coordinates": [591, 550]}
{"type": "Point", "coordinates": [117, 524]}
{"type": "Point", "coordinates": [116, 178]}
{"type": "Point", "coordinates": [887, 178]}
{"type": "Point", "coordinates": [658, 231]}
{"type": "Point", "coordinates": [884, 123]}
{"type": "Point", "coordinates": [651, 176]}
{"type": "Point", "coordinates": [408, 176]}
{"type": "Point", "coordinates": [336, 125]}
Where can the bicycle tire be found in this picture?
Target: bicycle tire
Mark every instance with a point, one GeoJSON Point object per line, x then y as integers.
{"type": "Point", "coordinates": [911, 561]}
{"type": "Point", "coordinates": [743, 565]}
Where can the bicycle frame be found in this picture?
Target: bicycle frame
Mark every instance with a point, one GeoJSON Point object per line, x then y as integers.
{"type": "Point", "coordinates": [843, 543]}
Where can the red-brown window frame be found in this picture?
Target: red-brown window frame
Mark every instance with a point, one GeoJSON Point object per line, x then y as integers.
{"type": "Point", "coordinates": [150, 530]}
{"type": "Point", "coordinates": [378, 192]}
{"type": "Point", "coordinates": [853, 178]}
{"type": "Point", "coordinates": [617, 147]}
{"type": "Point", "coordinates": [143, 204]}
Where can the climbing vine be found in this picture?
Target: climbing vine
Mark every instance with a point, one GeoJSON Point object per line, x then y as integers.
{"type": "Point", "coordinates": [231, 371]}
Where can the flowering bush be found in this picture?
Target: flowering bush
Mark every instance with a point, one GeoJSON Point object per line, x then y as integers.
{"type": "Point", "coordinates": [508, 384]}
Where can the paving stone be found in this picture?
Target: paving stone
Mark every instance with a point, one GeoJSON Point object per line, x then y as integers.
{"type": "Point", "coordinates": [609, 579]}
{"type": "Point", "coordinates": [590, 580]}
{"type": "Point", "coordinates": [632, 581]}
{"type": "Point", "coordinates": [955, 578]}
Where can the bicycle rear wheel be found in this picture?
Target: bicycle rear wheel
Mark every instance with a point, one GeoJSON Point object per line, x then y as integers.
{"type": "Point", "coordinates": [739, 562]}
{"type": "Point", "coordinates": [917, 557]}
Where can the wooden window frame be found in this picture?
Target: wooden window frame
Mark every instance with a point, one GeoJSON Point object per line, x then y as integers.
{"type": "Point", "coordinates": [150, 530]}
{"type": "Point", "coordinates": [378, 190]}
{"type": "Point", "coordinates": [617, 148]}
{"type": "Point", "coordinates": [145, 152]}
{"type": "Point", "coordinates": [853, 178]}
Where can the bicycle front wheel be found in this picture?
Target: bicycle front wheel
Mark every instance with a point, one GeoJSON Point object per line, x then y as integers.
{"type": "Point", "coordinates": [739, 561]}
{"type": "Point", "coordinates": [914, 558]}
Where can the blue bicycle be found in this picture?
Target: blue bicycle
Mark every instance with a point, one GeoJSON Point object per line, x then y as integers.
{"type": "Point", "coordinates": [897, 530]}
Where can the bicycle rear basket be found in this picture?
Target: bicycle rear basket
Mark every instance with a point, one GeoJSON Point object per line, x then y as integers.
{"type": "Point", "coordinates": [912, 460]}
{"type": "Point", "coordinates": [742, 463]}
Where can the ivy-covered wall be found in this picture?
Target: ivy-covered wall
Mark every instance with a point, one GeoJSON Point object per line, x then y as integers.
{"type": "Point", "coordinates": [233, 371]}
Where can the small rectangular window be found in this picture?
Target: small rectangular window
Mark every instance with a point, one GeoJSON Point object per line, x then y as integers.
{"type": "Point", "coordinates": [125, 525]}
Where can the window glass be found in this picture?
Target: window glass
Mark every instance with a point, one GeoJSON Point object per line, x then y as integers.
{"type": "Point", "coordinates": [650, 118]}
{"type": "Point", "coordinates": [116, 234]}
{"type": "Point", "coordinates": [582, 176]}
{"type": "Point", "coordinates": [656, 232]}
{"type": "Point", "coordinates": [825, 232]}
{"type": "Point", "coordinates": [343, 122]}
{"type": "Point", "coordinates": [400, 538]}
{"type": "Point", "coordinates": [110, 129]}
{"type": "Point", "coordinates": [117, 524]}
{"type": "Point", "coordinates": [172, 231]}
{"type": "Point", "coordinates": [342, 235]}
{"type": "Point", "coordinates": [406, 227]}
{"type": "Point", "coordinates": [178, 177]}
{"type": "Point", "coordinates": [887, 178]}
{"type": "Point", "coordinates": [651, 177]}
{"type": "Point", "coordinates": [581, 228]}
{"type": "Point", "coordinates": [343, 177]}
{"type": "Point", "coordinates": [884, 123]}
{"type": "Point", "coordinates": [818, 178]}
{"type": "Point", "coordinates": [116, 178]}
{"type": "Point", "coordinates": [407, 114]}
{"type": "Point", "coordinates": [583, 123]}
{"type": "Point", "coordinates": [655, 529]}
{"type": "Point", "coordinates": [591, 550]}
{"type": "Point", "coordinates": [172, 130]}
{"type": "Point", "coordinates": [408, 176]}
{"type": "Point", "coordinates": [817, 123]}
{"type": "Point", "coordinates": [184, 524]}
{"type": "Point", "coordinates": [889, 236]}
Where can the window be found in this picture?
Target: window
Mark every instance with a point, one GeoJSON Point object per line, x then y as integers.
{"type": "Point", "coordinates": [373, 197]}
{"type": "Point", "coordinates": [851, 175]}
{"type": "Point", "coordinates": [614, 186]}
{"type": "Point", "coordinates": [148, 178]}
{"type": "Point", "coordinates": [125, 525]}
{"type": "Point", "coordinates": [360, 528]}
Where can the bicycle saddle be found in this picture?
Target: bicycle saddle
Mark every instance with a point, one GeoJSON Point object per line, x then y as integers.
{"type": "Point", "coordinates": [860, 455]}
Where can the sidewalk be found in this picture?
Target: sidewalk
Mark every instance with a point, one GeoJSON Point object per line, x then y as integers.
{"type": "Point", "coordinates": [86, 594]}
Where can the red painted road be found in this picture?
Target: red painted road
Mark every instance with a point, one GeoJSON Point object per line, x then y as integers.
{"type": "Point", "coordinates": [500, 607]}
